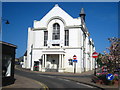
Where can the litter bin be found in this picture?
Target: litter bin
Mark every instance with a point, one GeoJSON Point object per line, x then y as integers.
{"type": "Point", "coordinates": [36, 68]}
{"type": "Point", "coordinates": [36, 65]}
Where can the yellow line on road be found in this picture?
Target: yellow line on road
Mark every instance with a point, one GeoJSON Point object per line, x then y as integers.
{"type": "Point", "coordinates": [43, 85]}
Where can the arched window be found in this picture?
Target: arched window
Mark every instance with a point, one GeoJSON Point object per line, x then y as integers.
{"type": "Point", "coordinates": [56, 31]}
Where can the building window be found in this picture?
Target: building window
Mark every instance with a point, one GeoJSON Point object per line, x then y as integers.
{"type": "Point", "coordinates": [56, 31]}
{"type": "Point", "coordinates": [45, 37]}
{"type": "Point", "coordinates": [70, 61]}
{"type": "Point", "coordinates": [55, 44]}
{"type": "Point", "coordinates": [66, 37]}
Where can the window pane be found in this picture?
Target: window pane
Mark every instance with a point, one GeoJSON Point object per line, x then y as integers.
{"type": "Point", "coordinates": [66, 37]}
{"type": "Point", "coordinates": [45, 38]}
{"type": "Point", "coordinates": [56, 31]}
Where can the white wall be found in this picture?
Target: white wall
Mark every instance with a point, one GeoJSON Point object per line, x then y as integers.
{"type": "Point", "coordinates": [24, 62]}
{"type": "Point", "coordinates": [69, 55]}
{"type": "Point", "coordinates": [36, 56]}
{"type": "Point", "coordinates": [39, 38]}
{"type": "Point", "coordinates": [73, 38]}
{"type": "Point", "coordinates": [29, 44]}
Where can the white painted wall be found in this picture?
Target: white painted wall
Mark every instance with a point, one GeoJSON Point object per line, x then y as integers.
{"type": "Point", "coordinates": [39, 38]}
{"type": "Point", "coordinates": [69, 55]}
{"type": "Point", "coordinates": [24, 62]}
{"type": "Point", "coordinates": [73, 37]}
{"type": "Point", "coordinates": [29, 44]}
{"type": "Point", "coordinates": [37, 54]}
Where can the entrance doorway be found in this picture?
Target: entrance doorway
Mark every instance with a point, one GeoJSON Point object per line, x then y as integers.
{"type": "Point", "coordinates": [52, 63]}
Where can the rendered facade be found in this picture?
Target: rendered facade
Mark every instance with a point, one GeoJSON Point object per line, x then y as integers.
{"type": "Point", "coordinates": [55, 39]}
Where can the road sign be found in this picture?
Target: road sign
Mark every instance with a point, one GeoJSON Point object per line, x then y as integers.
{"type": "Point", "coordinates": [110, 76]}
{"type": "Point", "coordinates": [74, 57]}
{"type": "Point", "coordinates": [95, 55]}
{"type": "Point", "coordinates": [74, 60]}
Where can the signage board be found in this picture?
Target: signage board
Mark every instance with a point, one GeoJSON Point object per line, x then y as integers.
{"type": "Point", "coordinates": [110, 76]}
{"type": "Point", "coordinates": [74, 60]}
{"type": "Point", "coordinates": [95, 55]}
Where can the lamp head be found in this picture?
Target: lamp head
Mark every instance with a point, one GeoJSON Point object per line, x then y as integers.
{"type": "Point", "coordinates": [7, 22]}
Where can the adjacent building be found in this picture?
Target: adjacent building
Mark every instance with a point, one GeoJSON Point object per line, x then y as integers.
{"type": "Point", "coordinates": [8, 62]}
{"type": "Point", "coordinates": [55, 39]}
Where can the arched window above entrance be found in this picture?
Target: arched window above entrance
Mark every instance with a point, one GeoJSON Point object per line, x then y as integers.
{"type": "Point", "coordinates": [56, 32]}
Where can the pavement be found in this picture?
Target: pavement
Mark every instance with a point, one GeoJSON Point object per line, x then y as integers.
{"type": "Point", "coordinates": [25, 83]}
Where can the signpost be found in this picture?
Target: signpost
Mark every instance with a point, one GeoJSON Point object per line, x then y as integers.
{"type": "Point", "coordinates": [75, 61]}
{"type": "Point", "coordinates": [95, 55]}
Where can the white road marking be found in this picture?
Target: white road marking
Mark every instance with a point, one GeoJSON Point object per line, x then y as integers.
{"type": "Point", "coordinates": [60, 79]}
{"type": "Point", "coordinates": [47, 76]}
{"type": "Point", "coordinates": [43, 75]}
{"type": "Point", "coordinates": [66, 80]}
{"type": "Point", "coordinates": [51, 76]}
{"type": "Point", "coordinates": [85, 85]}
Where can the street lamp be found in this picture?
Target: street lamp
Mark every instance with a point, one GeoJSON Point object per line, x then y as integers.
{"type": "Point", "coordinates": [6, 21]}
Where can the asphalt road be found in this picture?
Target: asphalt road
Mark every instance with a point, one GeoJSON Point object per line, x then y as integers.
{"type": "Point", "coordinates": [53, 82]}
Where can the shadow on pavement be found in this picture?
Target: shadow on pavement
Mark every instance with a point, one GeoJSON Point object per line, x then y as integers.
{"type": "Point", "coordinates": [8, 81]}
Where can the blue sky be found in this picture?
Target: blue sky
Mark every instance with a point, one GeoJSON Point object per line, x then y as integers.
{"type": "Point", "coordinates": [101, 20]}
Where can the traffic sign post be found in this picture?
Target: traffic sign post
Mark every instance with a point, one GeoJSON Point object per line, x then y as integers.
{"type": "Point", "coordinates": [75, 61]}
{"type": "Point", "coordinates": [95, 55]}
{"type": "Point", "coordinates": [74, 67]}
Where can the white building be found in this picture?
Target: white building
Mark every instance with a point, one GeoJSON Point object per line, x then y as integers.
{"type": "Point", "coordinates": [55, 39]}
